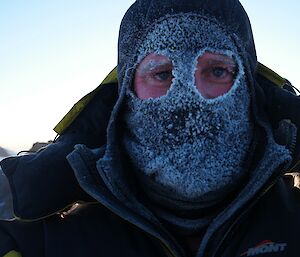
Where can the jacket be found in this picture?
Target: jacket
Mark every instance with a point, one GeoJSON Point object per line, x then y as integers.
{"type": "Point", "coordinates": [44, 226]}
{"type": "Point", "coordinates": [268, 225]}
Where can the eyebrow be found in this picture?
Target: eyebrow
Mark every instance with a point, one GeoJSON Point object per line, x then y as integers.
{"type": "Point", "coordinates": [153, 64]}
{"type": "Point", "coordinates": [225, 60]}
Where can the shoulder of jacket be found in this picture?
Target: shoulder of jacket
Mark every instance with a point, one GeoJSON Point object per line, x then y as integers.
{"type": "Point", "coordinates": [107, 91]}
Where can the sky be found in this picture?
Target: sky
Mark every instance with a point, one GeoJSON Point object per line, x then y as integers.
{"type": "Point", "coordinates": [52, 53]}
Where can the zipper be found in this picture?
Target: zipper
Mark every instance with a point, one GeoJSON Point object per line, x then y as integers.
{"type": "Point", "coordinates": [293, 141]}
{"type": "Point", "coordinates": [166, 249]}
{"type": "Point", "coordinates": [169, 252]}
{"type": "Point", "coordinates": [62, 212]}
{"type": "Point", "coordinates": [293, 147]}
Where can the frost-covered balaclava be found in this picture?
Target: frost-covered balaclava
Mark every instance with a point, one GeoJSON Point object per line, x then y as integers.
{"type": "Point", "coordinates": [192, 147]}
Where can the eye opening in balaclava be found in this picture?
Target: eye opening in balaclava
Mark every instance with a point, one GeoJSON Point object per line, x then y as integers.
{"type": "Point", "coordinates": [156, 74]}
{"type": "Point", "coordinates": [216, 72]}
{"type": "Point", "coordinates": [153, 76]}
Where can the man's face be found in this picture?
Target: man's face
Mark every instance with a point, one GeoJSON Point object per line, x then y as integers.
{"type": "Point", "coordinates": [214, 75]}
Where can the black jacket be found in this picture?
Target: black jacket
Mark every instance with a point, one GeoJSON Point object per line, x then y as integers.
{"type": "Point", "coordinates": [96, 231]}
{"type": "Point", "coordinates": [45, 229]}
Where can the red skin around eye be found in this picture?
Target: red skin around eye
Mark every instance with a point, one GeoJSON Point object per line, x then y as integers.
{"type": "Point", "coordinates": [153, 76]}
{"type": "Point", "coordinates": [209, 86]}
{"type": "Point", "coordinates": [147, 84]}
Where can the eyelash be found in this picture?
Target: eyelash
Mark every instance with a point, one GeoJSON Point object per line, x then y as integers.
{"type": "Point", "coordinates": [223, 69]}
{"type": "Point", "coordinates": [210, 72]}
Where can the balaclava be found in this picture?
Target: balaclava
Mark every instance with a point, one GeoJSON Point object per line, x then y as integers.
{"type": "Point", "coordinates": [181, 143]}
{"type": "Point", "coordinates": [182, 31]}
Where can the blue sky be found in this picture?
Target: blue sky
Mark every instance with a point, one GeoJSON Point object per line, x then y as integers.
{"type": "Point", "coordinates": [54, 52]}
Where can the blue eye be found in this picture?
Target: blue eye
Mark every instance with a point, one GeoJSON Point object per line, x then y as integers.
{"type": "Point", "coordinates": [163, 76]}
{"type": "Point", "coordinates": [219, 72]}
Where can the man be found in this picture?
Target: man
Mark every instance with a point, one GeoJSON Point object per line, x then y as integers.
{"type": "Point", "coordinates": [185, 157]}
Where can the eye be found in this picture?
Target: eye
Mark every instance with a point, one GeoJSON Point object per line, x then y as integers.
{"type": "Point", "coordinates": [164, 75]}
{"type": "Point", "coordinates": [219, 74]}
